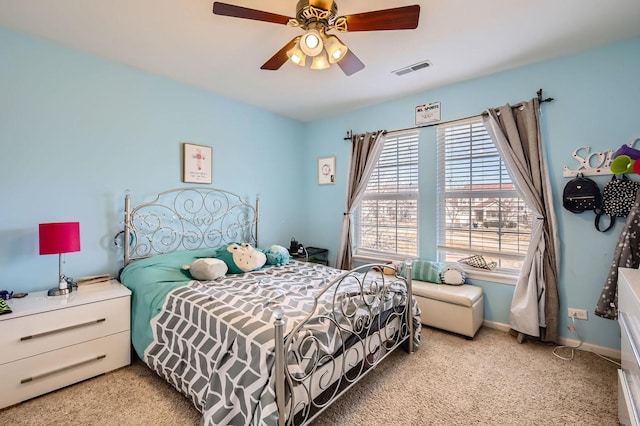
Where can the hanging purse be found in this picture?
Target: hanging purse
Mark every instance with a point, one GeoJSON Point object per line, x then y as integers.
{"type": "Point", "coordinates": [618, 197]}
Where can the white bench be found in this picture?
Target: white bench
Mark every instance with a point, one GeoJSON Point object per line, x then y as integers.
{"type": "Point", "coordinates": [459, 309]}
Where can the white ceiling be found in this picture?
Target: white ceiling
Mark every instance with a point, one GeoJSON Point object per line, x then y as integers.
{"type": "Point", "coordinates": [184, 41]}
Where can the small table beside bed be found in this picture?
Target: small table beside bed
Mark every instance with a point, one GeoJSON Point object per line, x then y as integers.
{"type": "Point", "coordinates": [273, 346]}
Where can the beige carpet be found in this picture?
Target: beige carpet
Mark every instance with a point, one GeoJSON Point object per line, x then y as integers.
{"type": "Point", "coordinates": [491, 380]}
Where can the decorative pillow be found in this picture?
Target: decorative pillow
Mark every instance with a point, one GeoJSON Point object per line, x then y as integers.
{"type": "Point", "coordinates": [424, 270]}
{"type": "Point", "coordinates": [241, 257]}
{"type": "Point", "coordinates": [207, 269]}
{"type": "Point", "coordinates": [277, 255]}
{"type": "Point", "coordinates": [453, 274]}
{"type": "Point", "coordinates": [478, 261]}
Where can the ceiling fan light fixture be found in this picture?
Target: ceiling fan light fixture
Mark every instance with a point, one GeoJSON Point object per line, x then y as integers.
{"type": "Point", "coordinates": [311, 43]}
{"type": "Point", "coordinates": [296, 55]}
{"type": "Point", "coordinates": [320, 61]}
{"type": "Point", "coordinates": [335, 49]}
{"type": "Point", "coordinates": [315, 18]}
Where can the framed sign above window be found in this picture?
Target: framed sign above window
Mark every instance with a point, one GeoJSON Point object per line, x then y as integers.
{"type": "Point", "coordinates": [327, 170]}
{"type": "Point", "coordinates": [428, 113]}
{"type": "Point", "coordinates": [197, 163]}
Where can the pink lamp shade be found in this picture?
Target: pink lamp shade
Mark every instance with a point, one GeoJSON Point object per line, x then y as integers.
{"type": "Point", "coordinates": [59, 237]}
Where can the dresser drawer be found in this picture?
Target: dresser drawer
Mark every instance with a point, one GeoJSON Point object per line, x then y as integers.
{"type": "Point", "coordinates": [626, 409]}
{"type": "Point", "coordinates": [28, 377]}
{"type": "Point", "coordinates": [47, 331]}
{"type": "Point", "coordinates": [629, 377]}
{"type": "Point", "coordinates": [628, 294]}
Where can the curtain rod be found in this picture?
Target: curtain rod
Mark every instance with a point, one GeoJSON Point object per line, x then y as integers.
{"type": "Point", "coordinates": [540, 100]}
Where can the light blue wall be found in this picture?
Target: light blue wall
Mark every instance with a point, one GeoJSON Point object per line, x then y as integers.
{"type": "Point", "coordinates": [597, 103]}
{"type": "Point", "coordinates": [76, 131]}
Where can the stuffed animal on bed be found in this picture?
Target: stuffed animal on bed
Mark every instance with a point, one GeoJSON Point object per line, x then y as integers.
{"type": "Point", "coordinates": [241, 257]}
{"type": "Point", "coordinates": [277, 255]}
{"type": "Point", "coordinates": [207, 269]}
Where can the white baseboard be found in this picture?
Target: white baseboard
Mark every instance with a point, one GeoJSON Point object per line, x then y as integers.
{"type": "Point", "coordinates": [600, 350]}
{"type": "Point", "coordinates": [596, 349]}
{"type": "Point", "coordinates": [496, 325]}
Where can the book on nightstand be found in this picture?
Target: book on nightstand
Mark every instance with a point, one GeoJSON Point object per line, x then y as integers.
{"type": "Point", "coordinates": [94, 279]}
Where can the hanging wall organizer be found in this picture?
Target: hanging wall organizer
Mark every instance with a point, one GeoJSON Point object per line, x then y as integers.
{"type": "Point", "coordinates": [593, 163]}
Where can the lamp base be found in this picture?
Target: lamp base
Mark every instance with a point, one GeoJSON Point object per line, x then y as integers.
{"type": "Point", "coordinates": [59, 291]}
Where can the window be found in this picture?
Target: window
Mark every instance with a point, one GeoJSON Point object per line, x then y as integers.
{"type": "Point", "coordinates": [387, 219]}
{"type": "Point", "coordinates": [479, 210]}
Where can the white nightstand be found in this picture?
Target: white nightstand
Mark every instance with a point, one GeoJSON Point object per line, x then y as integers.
{"type": "Point", "coordinates": [51, 342]}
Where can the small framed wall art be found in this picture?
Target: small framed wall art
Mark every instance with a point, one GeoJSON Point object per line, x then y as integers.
{"type": "Point", "coordinates": [428, 113]}
{"type": "Point", "coordinates": [197, 163]}
{"type": "Point", "coordinates": [327, 170]}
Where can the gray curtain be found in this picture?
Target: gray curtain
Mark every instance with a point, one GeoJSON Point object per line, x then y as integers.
{"type": "Point", "coordinates": [365, 151]}
{"type": "Point", "coordinates": [535, 304]}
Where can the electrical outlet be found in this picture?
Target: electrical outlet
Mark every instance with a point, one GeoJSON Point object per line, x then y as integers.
{"type": "Point", "coordinates": [578, 314]}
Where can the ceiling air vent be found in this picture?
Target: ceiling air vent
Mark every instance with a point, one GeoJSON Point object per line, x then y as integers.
{"type": "Point", "coordinates": [412, 68]}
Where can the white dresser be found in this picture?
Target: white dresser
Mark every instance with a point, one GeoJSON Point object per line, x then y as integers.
{"type": "Point", "coordinates": [52, 342]}
{"type": "Point", "coordinates": [629, 319]}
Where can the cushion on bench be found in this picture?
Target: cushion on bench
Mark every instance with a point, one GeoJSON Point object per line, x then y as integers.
{"type": "Point", "coordinates": [465, 295]}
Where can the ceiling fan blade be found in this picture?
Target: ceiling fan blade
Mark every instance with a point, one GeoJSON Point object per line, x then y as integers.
{"type": "Point", "coordinates": [225, 9]}
{"type": "Point", "coordinates": [276, 61]}
{"type": "Point", "coordinates": [399, 18]}
{"type": "Point", "coordinates": [350, 64]}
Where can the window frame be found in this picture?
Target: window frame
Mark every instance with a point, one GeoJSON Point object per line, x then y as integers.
{"type": "Point", "coordinates": [363, 254]}
{"type": "Point", "coordinates": [499, 274]}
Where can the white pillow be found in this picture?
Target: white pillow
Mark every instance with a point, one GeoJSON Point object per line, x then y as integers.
{"type": "Point", "coordinates": [207, 269]}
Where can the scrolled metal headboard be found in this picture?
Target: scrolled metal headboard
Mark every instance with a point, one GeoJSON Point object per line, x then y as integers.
{"type": "Point", "coordinates": [187, 219]}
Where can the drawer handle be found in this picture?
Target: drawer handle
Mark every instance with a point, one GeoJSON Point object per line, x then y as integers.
{"type": "Point", "coordinates": [60, 330]}
{"type": "Point", "coordinates": [58, 370]}
{"type": "Point", "coordinates": [627, 330]}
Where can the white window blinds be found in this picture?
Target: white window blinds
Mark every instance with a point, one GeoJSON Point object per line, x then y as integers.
{"type": "Point", "coordinates": [387, 221]}
{"type": "Point", "coordinates": [479, 209]}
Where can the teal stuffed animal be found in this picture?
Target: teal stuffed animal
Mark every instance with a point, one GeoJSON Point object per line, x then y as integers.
{"type": "Point", "coordinates": [277, 255]}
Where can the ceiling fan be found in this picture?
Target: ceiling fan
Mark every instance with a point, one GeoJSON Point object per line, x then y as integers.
{"type": "Point", "coordinates": [317, 18]}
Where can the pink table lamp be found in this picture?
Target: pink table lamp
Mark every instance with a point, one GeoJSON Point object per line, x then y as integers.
{"type": "Point", "coordinates": [58, 238]}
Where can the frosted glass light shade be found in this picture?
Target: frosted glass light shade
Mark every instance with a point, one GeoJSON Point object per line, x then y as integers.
{"type": "Point", "coordinates": [320, 61]}
{"type": "Point", "coordinates": [311, 43]}
{"type": "Point", "coordinates": [296, 55]}
{"type": "Point", "coordinates": [335, 49]}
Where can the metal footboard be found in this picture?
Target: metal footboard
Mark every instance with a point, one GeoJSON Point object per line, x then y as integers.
{"type": "Point", "coordinates": [370, 322]}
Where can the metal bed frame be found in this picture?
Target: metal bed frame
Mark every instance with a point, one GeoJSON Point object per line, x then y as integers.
{"type": "Point", "coordinates": [187, 219]}
{"type": "Point", "coordinates": [194, 218]}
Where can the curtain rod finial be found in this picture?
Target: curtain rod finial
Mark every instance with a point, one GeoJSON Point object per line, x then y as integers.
{"type": "Point", "coordinates": [540, 100]}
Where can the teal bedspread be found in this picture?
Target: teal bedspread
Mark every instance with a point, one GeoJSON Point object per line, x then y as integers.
{"type": "Point", "coordinates": [150, 280]}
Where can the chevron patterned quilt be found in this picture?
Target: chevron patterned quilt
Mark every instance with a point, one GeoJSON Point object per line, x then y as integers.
{"type": "Point", "coordinates": [214, 341]}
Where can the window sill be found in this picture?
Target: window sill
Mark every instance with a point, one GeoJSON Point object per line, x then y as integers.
{"type": "Point", "coordinates": [371, 258]}
{"type": "Point", "coordinates": [499, 277]}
